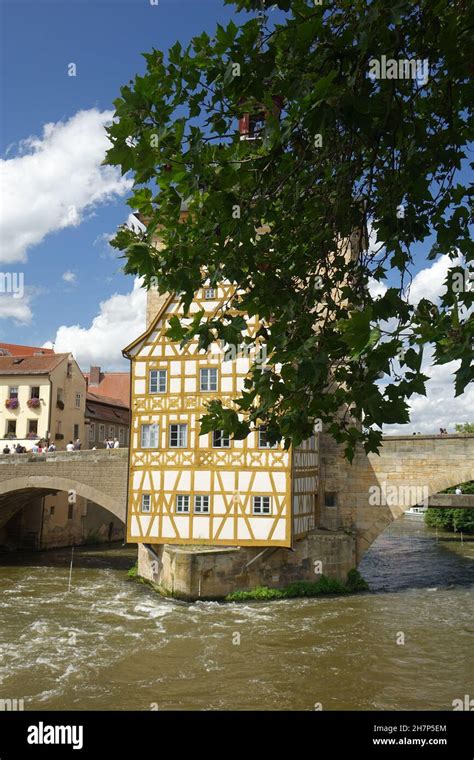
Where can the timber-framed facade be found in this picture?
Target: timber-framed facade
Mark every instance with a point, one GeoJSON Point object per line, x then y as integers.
{"type": "Point", "coordinates": [186, 488]}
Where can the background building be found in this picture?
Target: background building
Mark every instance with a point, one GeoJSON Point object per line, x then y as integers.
{"type": "Point", "coordinates": [42, 397]}
{"type": "Point", "coordinates": [107, 407]}
{"type": "Point", "coordinates": [106, 418]}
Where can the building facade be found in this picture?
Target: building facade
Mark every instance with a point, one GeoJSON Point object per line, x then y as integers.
{"type": "Point", "coordinates": [106, 418]}
{"type": "Point", "coordinates": [42, 397]}
{"type": "Point", "coordinates": [107, 407]}
{"type": "Point", "coordinates": [187, 488]}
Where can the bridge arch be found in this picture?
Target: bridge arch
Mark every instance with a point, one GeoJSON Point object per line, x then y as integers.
{"type": "Point", "coordinates": [413, 465]}
{"type": "Point", "coordinates": [54, 483]}
{"type": "Point", "coordinates": [438, 484]}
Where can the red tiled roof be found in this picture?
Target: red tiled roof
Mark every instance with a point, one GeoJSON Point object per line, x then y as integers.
{"type": "Point", "coordinates": [115, 385]}
{"type": "Point", "coordinates": [14, 350]}
{"type": "Point", "coordinates": [30, 364]}
{"type": "Point", "coordinates": [99, 399]}
{"type": "Point", "coordinates": [105, 413]}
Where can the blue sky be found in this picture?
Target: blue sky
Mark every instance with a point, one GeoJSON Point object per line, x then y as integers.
{"type": "Point", "coordinates": [104, 39]}
{"type": "Point", "coordinates": [75, 294]}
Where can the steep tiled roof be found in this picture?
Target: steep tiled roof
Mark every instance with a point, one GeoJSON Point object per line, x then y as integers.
{"type": "Point", "coordinates": [30, 364]}
{"type": "Point", "coordinates": [114, 385]}
{"type": "Point", "coordinates": [14, 350]}
{"type": "Point", "coordinates": [98, 398]}
{"type": "Point", "coordinates": [104, 413]}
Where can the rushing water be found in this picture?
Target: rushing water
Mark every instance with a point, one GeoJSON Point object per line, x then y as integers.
{"type": "Point", "coordinates": [111, 643]}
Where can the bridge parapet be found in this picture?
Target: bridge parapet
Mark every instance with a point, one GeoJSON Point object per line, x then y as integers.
{"type": "Point", "coordinates": [452, 501]}
{"type": "Point", "coordinates": [84, 455]}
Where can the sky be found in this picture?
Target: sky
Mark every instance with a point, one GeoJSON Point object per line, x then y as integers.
{"type": "Point", "coordinates": [59, 206]}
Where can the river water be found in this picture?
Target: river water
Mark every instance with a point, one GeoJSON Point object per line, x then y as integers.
{"type": "Point", "coordinates": [111, 643]}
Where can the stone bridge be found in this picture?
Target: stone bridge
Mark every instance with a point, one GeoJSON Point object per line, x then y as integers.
{"type": "Point", "coordinates": [363, 497]}
{"type": "Point", "coordinates": [367, 495]}
{"type": "Point", "coordinates": [100, 476]}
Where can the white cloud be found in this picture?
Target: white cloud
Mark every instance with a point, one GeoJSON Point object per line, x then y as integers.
{"type": "Point", "coordinates": [439, 408]}
{"type": "Point", "coordinates": [120, 320]}
{"type": "Point", "coordinates": [376, 288]}
{"type": "Point", "coordinates": [69, 276]}
{"type": "Point", "coordinates": [17, 309]}
{"type": "Point", "coordinates": [428, 283]}
{"type": "Point", "coordinates": [54, 181]}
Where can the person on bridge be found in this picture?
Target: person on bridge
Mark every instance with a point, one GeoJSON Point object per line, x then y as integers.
{"type": "Point", "coordinates": [116, 443]}
{"type": "Point", "coordinates": [6, 449]}
{"type": "Point", "coordinates": [70, 446]}
{"type": "Point", "coordinates": [77, 445]}
{"type": "Point", "coordinates": [18, 449]}
{"type": "Point", "coordinates": [51, 447]}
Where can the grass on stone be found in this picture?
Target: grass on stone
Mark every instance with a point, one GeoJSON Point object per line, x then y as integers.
{"type": "Point", "coordinates": [324, 585]}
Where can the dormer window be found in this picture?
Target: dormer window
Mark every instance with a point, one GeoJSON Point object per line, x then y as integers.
{"type": "Point", "coordinates": [209, 293]}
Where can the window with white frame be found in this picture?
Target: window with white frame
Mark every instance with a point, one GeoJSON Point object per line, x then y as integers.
{"type": "Point", "coordinates": [182, 503]}
{"type": "Point", "coordinates": [121, 435]}
{"type": "Point", "coordinates": [262, 505]}
{"type": "Point", "coordinates": [78, 400]}
{"type": "Point", "coordinates": [13, 392]}
{"type": "Point", "coordinates": [92, 431]}
{"type": "Point", "coordinates": [149, 436]}
{"type": "Point", "coordinates": [102, 433]}
{"type": "Point", "coordinates": [220, 440]}
{"type": "Point", "coordinates": [208, 379]}
{"type": "Point", "coordinates": [201, 504]}
{"type": "Point", "coordinates": [178, 436]}
{"type": "Point", "coordinates": [111, 431]}
{"type": "Point", "coordinates": [209, 293]}
{"type": "Point", "coordinates": [146, 502]}
{"type": "Point", "coordinates": [263, 442]}
{"type": "Point", "coordinates": [157, 381]}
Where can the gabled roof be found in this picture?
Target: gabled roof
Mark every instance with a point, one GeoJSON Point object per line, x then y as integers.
{"type": "Point", "coordinates": [30, 364]}
{"type": "Point", "coordinates": [150, 328]}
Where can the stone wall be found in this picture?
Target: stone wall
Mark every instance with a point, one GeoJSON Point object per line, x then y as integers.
{"type": "Point", "coordinates": [193, 573]}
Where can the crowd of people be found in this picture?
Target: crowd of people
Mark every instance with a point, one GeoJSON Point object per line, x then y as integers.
{"type": "Point", "coordinates": [43, 447]}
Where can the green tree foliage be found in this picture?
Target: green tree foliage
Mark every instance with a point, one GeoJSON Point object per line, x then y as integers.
{"type": "Point", "coordinates": [453, 519]}
{"type": "Point", "coordinates": [338, 151]}
{"type": "Point", "coordinates": [466, 427]}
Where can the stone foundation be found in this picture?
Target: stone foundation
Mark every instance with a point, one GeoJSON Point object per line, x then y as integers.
{"type": "Point", "coordinates": [191, 573]}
